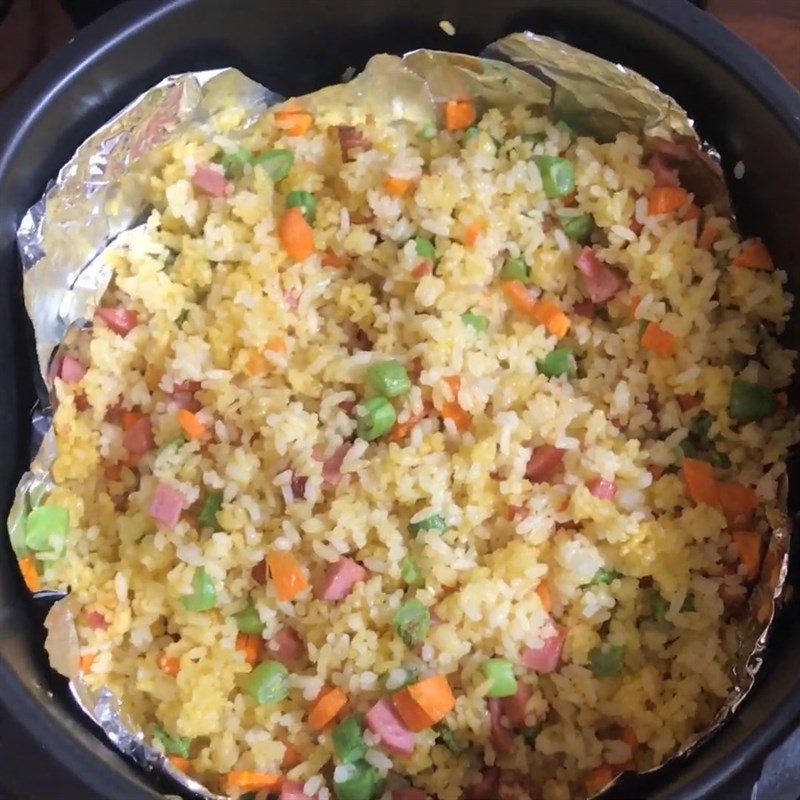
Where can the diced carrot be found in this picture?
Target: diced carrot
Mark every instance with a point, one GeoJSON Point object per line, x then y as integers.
{"type": "Point", "coordinates": [396, 187]}
{"type": "Point", "coordinates": [748, 548]}
{"type": "Point", "coordinates": [518, 294]}
{"type": "Point", "coordinates": [664, 199]}
{"type": "Point", "coordinates": [738, 502]}
{"type": "Point", "coordinates": [594, 780]}
{"type": "Point", "coordinates": [453, 411]}
{"type": "Point", "coordinates": [454, 382]}
{"type": "Point", "coordinates": [552, 317]}
{"type": "Point", "coordinates": [693, 212]}
{"type": "Point", "coordinates": [708, 235]}
{"type": "Point", "coordinates": [276, 345]}
{"type": "Point", "coordinates": [181, 763]}
{"type": "Point", "coordinates": [635, 300]}
{"type": "Point", "coordinates": [295, 234]}
{"type": "Point", "coordinates": [471, 233]}
{"type": "Point", "coordinates": [458, 114]}
{"type": "Point", "coordinates": [286, 574]}
{"type": "Point", "coordinates": [169, 665]}
{"type": "Point", "coordinates": [252, 645]}
{"type": "Point", "coordinates": [256, 364]}
{"type": "Point", "coordinates": [424, 703]}
{"type": "Point", "coordinates": [332, 259]}
{"type": "Point", "coordinates": [657, 340]}
{"type": "Point", "coordinates": [130, 418]}
{"type": "Point", "coordinates": [246, 781]}
{"type": "Point", "coordinates": [291, 755]}
{"type": "Point", "coordinates": [294, 121]}
{"type": "Point", "coordinates": [191, 426]}
{"type": "Point", "coordinates": [402, 429]}
{"type": "Point", "coordinates": [326, 708]}
{"type": "Point", "coordinates": [86, 662]}
{"type": "Point", "coordinates": [698, 476]}
{"type": "Point", "coordinates": [27, 566]}
{"type": "Point", "coordinates": [754, 255]}
{"type": "Point", "coordinates": [543, 590]}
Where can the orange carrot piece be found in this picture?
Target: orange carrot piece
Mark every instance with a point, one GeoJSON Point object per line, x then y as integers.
{"type": "Point", "coordinates": [169, 665]}
{"type": "Point", "coordinates": [434, 696]}
{"type": "Point", "coordinates": [738, 502]}
{"type": "Point", "coordinates": [635, 300]}
{"type": "Point", "coordinates": [594, 780]}
{"type": "Point", "coordinates": [286, 574]}
{"type": "Point", "coordinates": [130, 418]}
{"type": "Point", "coordinates": [247, 781]}
{"type": "Point", "coordinates": [396, 187]}
{"type": "Point", "coordinates": [471, 233]}
{"type": "Point", "coordinates": [402, 429]}
{"type": "Point", "coordinates": [86, 662]}
{"type": "Point", "coordinates": [295, 234]}
{"type": "Point", "coordinates": [693, 212]}
{"type": "Point", "coordinates": [291, 755]}
{"type": "Point", "coordinates": [754, 255]}
{"type": "Point", "coordinates": [191, 426]}
{"type": "Point", "coordinates": [415, 718]}
{"type": "Point", "coordinates": [518, 294]}
{"type": "Point", "coordinates": [326, 708]}
{"type": "Point", "coordinates": [332, 259]}
{"type": "Point", "coordinates": [698, 476]}
{"type": "Point", "coordinates": [27, 566]}
{"type": "Point", "coordinates": [293, 121]}
{"type": "Point", "coordinates": [748, 548]}
{"type": "Point", "coordinates": [256, 365]}
{"type": "Point", "coordinates": [543, 590]}
{"type": "Point", "coordinates": [252, 645]}
{"type": "Point", "coordinates": [664, 199]}
{"type": "Point", "coordinates": [452, 410]}
{"type": "Point", "coordinates": [276, 345]}
{"type": "Point", "coordinates": [708, 235]}
{"type": "Point", "coordinates": [657, 340]}
{"type": "Point", "coordinates": [181, 763]}
{"type": "Point", "coordinates": [458, 114]}
{"type": "Point", "coordinates": [552, 317]}
{"type": "Point", "coordinates": [454, 382]}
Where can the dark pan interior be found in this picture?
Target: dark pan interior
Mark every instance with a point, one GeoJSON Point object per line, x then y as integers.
{"type": "Point", "coordinates": [740, 103]}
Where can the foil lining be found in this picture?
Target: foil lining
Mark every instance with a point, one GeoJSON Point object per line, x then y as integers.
{"type": "Point", "coordinates": [99, 194]}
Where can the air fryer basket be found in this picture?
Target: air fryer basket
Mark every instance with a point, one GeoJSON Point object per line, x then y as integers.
{"type": "Point", "coordinates": [741, 105]}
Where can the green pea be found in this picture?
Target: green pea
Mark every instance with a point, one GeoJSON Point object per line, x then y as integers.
{"type": "Point", "coordinates": [248, 621]}
{"type": "Point", "coordinates": [579, 227]}
{"type": "Point", "coordinates": [448, 738]}
{"type": "Point", "coordinates": [268, 682]}
{"type": "Point", "coordinates": [234, 163]}
{"type": "Point", "coordinates": [556, 362]}
{"type": "Point", "coordinates": [412, 621]}
{"type": "Point", "coordinates": [719, 460]}
{"type": "Point", "coordinates": [173, 745]}
{"type": "Point", "coordinates": [514, 269]}
{"type": "Point", "coordinates": [389, 379]}
{"type": "Point", "coordinates": [425, 248]}
{"type": "Point", "coordinates": [658, 609]}
{"type": "Point", "coordinates": [208, 513]}
{"type": "Point", "coordinates": [276, 163]}
{"type": "Point", "coordinates": [428, 132]}
{"type": "Point", "coordinates": [377, 418]}
{"type": "Point", "coordinates": [348, 740]}
{"type": "Point", "coordinates": [306, 202]}
{"type": "Point", "coordinates": [475, 321]}
{"type": "Point", "coordinates": [605, 577]}
{"type": "Point", "coordinates": [357, 781]}
{"type": "Point", "coordinates": [701, 425]}
{"type": "Point", "coordinates": [174, 444]}
{"type": "Point", "coordinates": [46, 529]}
{"type": "Point", "coordinates": [606, 661]}
{"type": "Point", "coordinates": [203, 596]}
{"type": "Point", "coordinates": [500, 671]}
{"type": "Point", "coordinates": [750, 402]}
{"type": "Point", "coordinates": [409, 572]}
{"type": "Point", "coordinates": [435, 522]}
{"type": "Point", "coordinates": [558, 175]}
{"type": "Point", "coordinates": [469, 133]}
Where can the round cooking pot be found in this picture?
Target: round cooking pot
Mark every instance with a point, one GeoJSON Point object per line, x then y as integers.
{"type": "Point", "coordinates": [739, 101]}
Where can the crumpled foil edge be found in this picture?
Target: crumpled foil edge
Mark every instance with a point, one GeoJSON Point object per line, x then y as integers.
{"type": "Point", "coordinates": [99, 194]}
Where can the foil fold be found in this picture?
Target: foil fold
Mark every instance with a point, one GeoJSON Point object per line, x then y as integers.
{"type": "Point", "coordinates": [100, 193]}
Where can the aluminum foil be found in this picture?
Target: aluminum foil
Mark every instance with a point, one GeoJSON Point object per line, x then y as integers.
{"type": "Point", "coordinates": [99, 194]}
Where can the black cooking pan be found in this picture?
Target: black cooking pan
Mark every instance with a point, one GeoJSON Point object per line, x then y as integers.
{"type": "Point", "coordinates": [740, 102]}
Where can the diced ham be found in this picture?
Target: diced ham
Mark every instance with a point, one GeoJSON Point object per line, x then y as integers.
{"type": "Point", "coordinates": [348, 405]}
{"type": "Point", "coordinates": [485, 788]}
{"type": "Point", "coordinates": [513, 707]}
{"type": "Point", "coordinates": [544, 462]}
{"type": "Point", "coordinates": [120, 320]}
{"type": "Point", "coordinates": [332, 467]}
{"type": "Point", "coordinates": [601, 281]}
{"type": "Point", "coordinates": [605, 490]}
{"type": "Point", "coordinates": [138, 439]}
{"type": "Point", "coordinates": [259, 573]}
{"type": "Point", "coordinates": [209, 181]}
{"type": "Point", "coordinates": [386, 723]}
{"type": "Point", "coordinates": [662, 173]}
{"type": "Point", "coordinates": [516, 512]}
{"type": "Point", "coordinates": [689, 401]}
{"type": "Point", "coordinates": [293, 790]}
{"type": "Point", "coordinates": [96, 620]}
{"type": "Point", "coordinates": [339, 579]}
{"type": "Point", "coordinates": [502, 738]}
{"type": "Point", "coordinates": [424, 267]}
{"type": "Point", "coordinates": [286, 645]}
{"type": "Point", "coordinates": [291, 298]}
{"type": "Point", "coordinates": [186, 401]}
{"type": "Point", "coordinates": [81, 401]}
{"type": "Point", "coordinates": [166, 505]}
{"type": "Point", "coordinates": [409, 793]}
{"type": "Point", "coordinates": [351, 141]}
{"type": "Point", "coordinates": [71, 370]}
{"type": "Point", "coordinates": [546, 657]}
{"type": "Point", "coordinates": [584, 308]}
